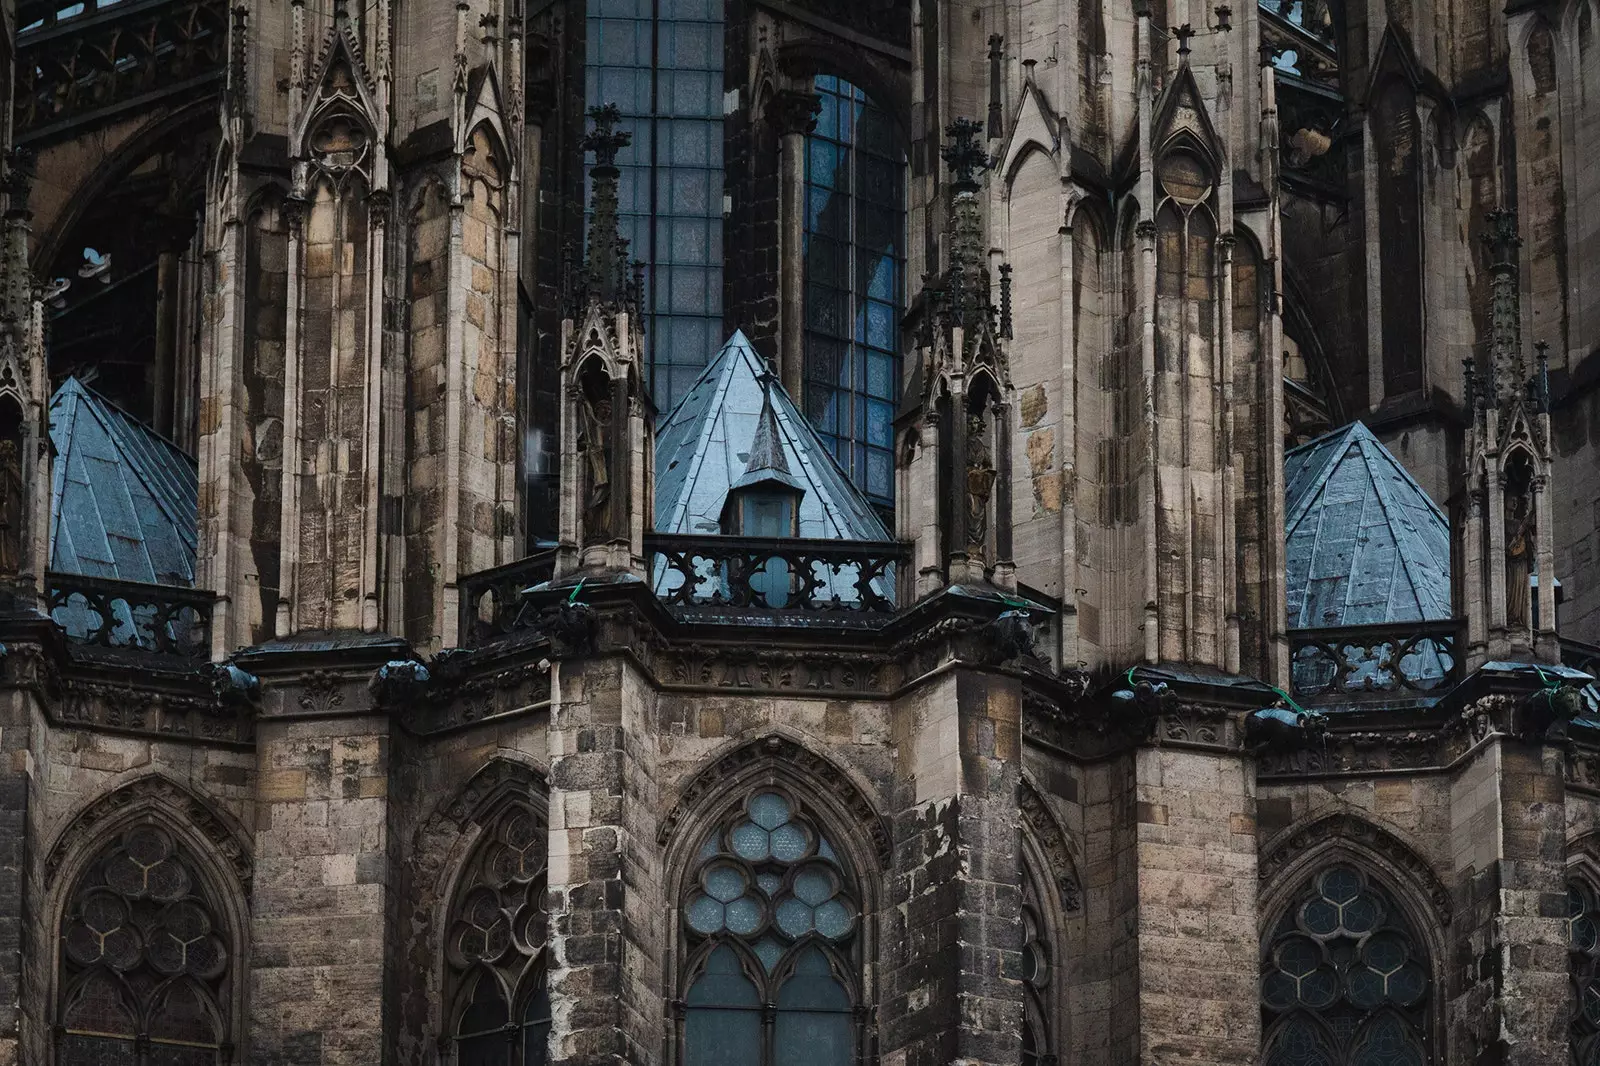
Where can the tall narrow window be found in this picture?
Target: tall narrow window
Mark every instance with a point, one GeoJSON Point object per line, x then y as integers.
{"type": "Point", "coordinates": [500, 1011]}
{"type": "Point", "coordinates": [1345, 981]}
{"type": "Point", "coordinates": [854, 259]}
{"type": "Point", "coordinates": [660, 62]}
{"type": "Point", "coordinates": [1583, 946]}
{"type": "Point", "coordinates": [772, 922]}
{"type": "Point", "coordinates": [145, 964]}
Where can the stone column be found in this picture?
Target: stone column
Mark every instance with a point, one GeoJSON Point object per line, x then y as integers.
{"type": "Point", "coordinates": [952, 989]}
{"type": "Point", "coordinates": [606, 905]}
{"type": "Point", "coordinates": [1509, 939]}
{"type": "Point", "coordinates": [794, 112]}
{"type": "Point", "coordinates": [321, 888]}
{"type": "Point", "coordinates": [1196, 931]}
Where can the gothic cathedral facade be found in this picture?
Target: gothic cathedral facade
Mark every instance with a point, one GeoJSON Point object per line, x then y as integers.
{"type": "Point", "coordinates": [762, 532]}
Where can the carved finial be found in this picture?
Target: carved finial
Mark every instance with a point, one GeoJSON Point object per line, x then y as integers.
{"type": "Point", "coordinates": [1541, 376]}
{"type": "Point", "coordinates": [605, 270]}
{"type": "Point", "coordinates": [605, 140]}
{"type": "Point", "coordinates": [1502, 237]}
{"type": "Point", "coordinates": [1224, 18]}
{"type": "Point", "coordinates": [1183, 33]}
{"type": "Point", "coordinates": [1267, 52]}
{"type": "Point", "coordinates": [964, 155]}
{"type": "Point", "coordinates": [1005, 300]}
{"type": "Point", "coordinates": [1469, 373]}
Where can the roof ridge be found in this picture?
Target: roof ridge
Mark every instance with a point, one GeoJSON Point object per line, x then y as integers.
{"type": "Point", "coordinates": [1329, 465]}
{"type": "Point", "coordinates": [1389, 505]}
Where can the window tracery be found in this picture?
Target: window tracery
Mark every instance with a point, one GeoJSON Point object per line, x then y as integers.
{"type": "Point", "coordinates": [1583, 947]}
{"type": "Point", "coordinates": [772, 917]}
{"type": "Point", "coordinates": [145, 962]}
{"type": "Point", "coordinates": [854, 262]}
{"type": "Point", "coordinates": [1036, 979]}
{"type": "Point", "coordinates": [495, 947]}
{"type": "Point", "coordinates": [1345, 980]}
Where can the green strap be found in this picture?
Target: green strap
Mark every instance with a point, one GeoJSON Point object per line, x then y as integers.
{"type": "Point", "coordinates": [576, 589]}
{"type": "Point", "coordinates": [1288, 699]}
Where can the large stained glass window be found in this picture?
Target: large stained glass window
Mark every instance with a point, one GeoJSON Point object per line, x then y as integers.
{"type": "Point", "coordinates": [145, 962]}
{"type": "Point", "coordinates": [772, 921]}
{"type": "Point", "coordinates": [660, 62]}
{"type": "Point", "coordinates": [494, 947]}
{"type": "Point", "coordinates": [1345, 981]}
{"type": "Point", "coordinates": [854, 259]}
{"type": "Point", "coordinates": [1583, 944]}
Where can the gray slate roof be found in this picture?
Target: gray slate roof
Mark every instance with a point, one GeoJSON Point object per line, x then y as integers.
{"type": "Point", "coordinates": [735, 426]}
{"type": "Point", "coordinates": [123, 498]}
{"type": "Point", "coordinates": [1365, 544]}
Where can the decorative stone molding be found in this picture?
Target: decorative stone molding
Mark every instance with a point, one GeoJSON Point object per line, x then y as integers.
{"type": "Point", "coordinates": [169, 797]}
{"type": "Point", "coordinates": [791, 755]}
{"type": "Point", "coordinates": [1288, 847]}
{"type": "Point", "coordinates": [171, 714]}
{"type": "Point", "coordinates": [746, 669]}
{"type": "Point", "coordinates": [476, 799]}
{"type": "Point", "coordinates": [1052, 840]}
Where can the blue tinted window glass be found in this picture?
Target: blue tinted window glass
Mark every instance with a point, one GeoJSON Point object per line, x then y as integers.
{"type": "Point", "coordinates": [855, 217]}
{"type": "Point", "coordinates": [660, 62]}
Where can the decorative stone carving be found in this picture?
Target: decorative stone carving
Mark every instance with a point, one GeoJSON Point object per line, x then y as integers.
{"type": "Point", "coordinates": [156, 792]}
{"type": "Point", "coordinates": [787, 753]}
{"type": "Point", "coordinates": [1343, 826]}
{"type": "Point", "coordinates": [1053, 840]}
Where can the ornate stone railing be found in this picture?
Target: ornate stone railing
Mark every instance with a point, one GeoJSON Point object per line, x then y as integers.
{"type": "Point", "coordinates": [749, 576]}
{"type": "Point", "coordinates": [1376, 663]}
{"type": "Point", "coordinates": [1580, 656]}
{"type": "Point", "coordinates": [490, 599]}
{"type": "Point", "coordinates": [129, 618]}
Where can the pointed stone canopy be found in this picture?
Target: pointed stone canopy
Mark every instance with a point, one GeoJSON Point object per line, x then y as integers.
{"type": "Point", "coordinates": [1365, 544]}
{"type": "Point", "coordinates": [737, 426]}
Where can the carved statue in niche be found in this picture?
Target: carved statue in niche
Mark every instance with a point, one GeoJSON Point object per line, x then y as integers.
{"type": "Point", "coordinates": [980, 480]}
{"type": "Point", "coordinates": [1519, 559]}
{"type": "Point", "coordinates": [594, 442]}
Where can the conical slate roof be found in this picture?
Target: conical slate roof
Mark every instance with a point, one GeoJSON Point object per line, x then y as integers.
{"type": "Point", "coordinates": [1364, 543]}
{"type": "Point", "coordinates": [736, 426]}
{"type": "Point", "coordinates": [123, 497]}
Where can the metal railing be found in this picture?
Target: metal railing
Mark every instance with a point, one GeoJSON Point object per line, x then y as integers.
{"type": "Point", "coordinates": [770, 576]}
{"type": "Point", "coordinates": [491, 598]}
{"type": "Point", "coordinates": [129, 617]}
{"type": "Point", "coordinates": [1386, 662]}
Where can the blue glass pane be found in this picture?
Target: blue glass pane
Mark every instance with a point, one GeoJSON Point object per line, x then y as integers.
{"type": "Point", "coordinates": [724, 882]}
{"type": "Point", "coordinates": [813, 885]}
{"type": "Point", "coordinates": [486, 1011]}
{"type": "Point", "coordinates": [769, 810]}
{"type": "Point", "coordinates": [834, 920]}
{"type": "Point", "coordinates": [794, 917]}
{"type": "Point", "coordinates": [751, 841]}
{"type": "Point", "coordinates": [1387, 1042]}
{"type": "Point", "coordinates": [744, 916]}
{"type": "Point", "coordinates": [1341, 884]}
{"type": "Point", "coordinates": [722, 983]}
{"type": "Point", "coordinates": [705, 915]}
{"type": "Point", "coordinates": [789, 843]}
{"type": "Point", "coordinates": [536, 1030]}
{"type": "Point", "coordinates": [1298, 1043]}
{"type": "Point", "coordinates": [812, 986]}
{"type": "Point", "coordinates": [769, 951]}
{"type": "Point", "coordinates": [721, 1037]}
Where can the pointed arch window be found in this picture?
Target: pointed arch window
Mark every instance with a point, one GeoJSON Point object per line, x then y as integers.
{"type": "Point", "coordinates": [854, 262]}
{"type": "Point", "coordinates": [1583, 947]}
{"type": "Point", "coordinates": [500, 1008]}
{"type": "Point", "coordinates": [146, 964]}
{"type": "Point", "coordinates": [1345, 979]}
{"type": "Point", "coordinates": [772, 919]}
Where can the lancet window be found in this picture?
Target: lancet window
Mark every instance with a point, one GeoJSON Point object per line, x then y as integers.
{"type": "Point", "coordinates": [772, 919]}
{"type": "Point", "coordinates": [854, 262]}
{"type": "Point", "coordinates": [1583, 946]}
{"type": "Point", "coordinates": [495, 948]}
{"type": "Point", "coordinates": [1345, 979]}
{"type": "Point", "coordinates": [146, 964]}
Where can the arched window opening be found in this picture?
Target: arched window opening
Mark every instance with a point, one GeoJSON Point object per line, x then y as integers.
{"type": "Point", "coordinates": [854, 261]}
{"type": "Point", "coordinates": [145, 962]}
{"type": "Point", "coordinates": [1345, 979]}
{"type": "Point", "coordinates": [772, 920]}
{"type": "Point", "coordinates": [495, 950]}
{"type": "Point", "coordinates": [1583, 947]}
{"type": "Point", "coordinates": [1037, 1042]}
